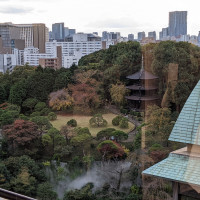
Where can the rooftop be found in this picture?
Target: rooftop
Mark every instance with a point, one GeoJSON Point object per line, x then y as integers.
{"type": "Point", "coordinates": [142, 74]}
{"type": "Point", "coordinates": [178, 167]}
{"type": "Point", "coordinates": [187, 127]}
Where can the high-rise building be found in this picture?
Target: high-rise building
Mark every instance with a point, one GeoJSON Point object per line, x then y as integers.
{"type": "Point", "coordinates": [8, 31]}
{"type": "Point", "coordinates": [58, 31]}
{"type": "Point", "coordinates": [141, 35]}
{"type": "Point", "coordinates": [34, 35]}
{"type": "Point", "coordinates": [130, 37]}
{"type": "Point", "coordinates": [177, 23]}
{"type": "Point", "coordinates": [152, 35]}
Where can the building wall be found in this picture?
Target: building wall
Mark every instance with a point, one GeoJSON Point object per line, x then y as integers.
{"type": "Point", "coordinates": [39, 37]}
{"type": "Point", "coordinates": [178, 23]}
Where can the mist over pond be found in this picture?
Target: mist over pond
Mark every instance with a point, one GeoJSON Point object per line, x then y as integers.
{"type": "Point", "coordinates": [116, 174]}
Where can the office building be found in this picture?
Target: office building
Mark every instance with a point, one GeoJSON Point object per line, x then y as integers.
{"type": "Point", "coordinates": [8, 31]}
{"type": "Point", "coordinates": [141, 35]}
{"type": "Point", "coordinates": [152, 35]}
{"type": "Point", "coordinates": [110, 36]}
{"type": "Point", "coordinates": [130, 37]}
{"type": "Point", "coordinates": [177, 23]}
{"type": "Point", "coordinates": [58, 31]}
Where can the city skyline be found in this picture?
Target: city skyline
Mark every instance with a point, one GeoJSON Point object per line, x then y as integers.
{"type": "Point", "coordinates": [85, 16]}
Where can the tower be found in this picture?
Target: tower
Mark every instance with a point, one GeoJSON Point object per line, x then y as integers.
{"type": "Point", "coordinates": [177, 23]}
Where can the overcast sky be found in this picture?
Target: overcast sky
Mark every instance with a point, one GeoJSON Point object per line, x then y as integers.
{"type": "Point", "coordinates": [126, 16]}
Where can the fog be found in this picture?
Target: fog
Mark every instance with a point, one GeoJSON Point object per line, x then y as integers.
{"type": "Point", "coordinates": [99, 174]}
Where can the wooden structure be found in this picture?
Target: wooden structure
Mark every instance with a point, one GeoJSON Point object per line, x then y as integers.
{"type": "Point", "coordinates": [144, 89]}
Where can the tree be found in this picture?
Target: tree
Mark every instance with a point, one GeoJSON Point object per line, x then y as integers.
{"type": "Point", "coordinates": [159, 123]}
{"type": "Point", "coordinates": [82, 136]}
{"type": "Point", "coordinates": [62, 80]}
{"type": "Point", "coordinates": [40, 106]}
{"type": "Point", "coordinates": [53, 138]}
{"type": "Point", "coordinates": [30, 103]}
{"type": "Point", "coordinates": [117, 93]}
{"type": "Point", "coordinates": [72, 123]}
{"type": "Point", "coordinates": [85, 98]}
{"type": "Point", "coordinates": [116, 120]}
{"type": "Point", "coordinates": [52, 116]}
{"type": "Point", "coordinates": [21, 135]}
{"type": "Point", "coordinates": [45, 192]}
{"type": "Point", "coordinates": [68, 132]}
{"type": "Point", "coordinates": [61, 100]}
{"type": "Point", "coordinates": [98, 121]}
{"type": "Point", "coordinates": [120, 135]}
{"type": "Point", "coordinates": [105, 133]}
{"type": "Point", "coordinates": [3, 94]}
{"type": "Point", "coordinates": [42, 122]}
{"type": "Point", "coordinates": [18, 93]}
{"type": "Point", "coordinates": [123, 123]}
{"type": "Point", "coordinates": [110, 150]}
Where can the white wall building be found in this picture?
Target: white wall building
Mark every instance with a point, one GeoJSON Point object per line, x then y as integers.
{"type": "Point", "coordinates": [32, 56]}
{"type": "Point", "coordinates": [73, 51]}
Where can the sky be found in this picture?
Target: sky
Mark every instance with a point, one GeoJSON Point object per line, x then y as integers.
{"type": "Point", "coordinates": [125, 16]}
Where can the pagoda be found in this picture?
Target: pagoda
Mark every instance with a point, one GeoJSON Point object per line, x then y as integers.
{"type": "Point", "coordinates": [143, 89]}
{"type": "Point", "coordinates": [182, 166]}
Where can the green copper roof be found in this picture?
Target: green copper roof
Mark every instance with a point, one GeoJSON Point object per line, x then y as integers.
{"type": "Point", "coordinates": [177, 167]}
{"type": "Point", "coordinates": [187, 127]}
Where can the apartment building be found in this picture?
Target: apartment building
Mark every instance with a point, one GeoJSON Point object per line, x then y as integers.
{"type": "Point", "coordinates": [73, 51]}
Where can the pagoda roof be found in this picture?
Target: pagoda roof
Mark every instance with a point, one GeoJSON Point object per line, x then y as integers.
{"type": "Point", "coordinates": [139, 87]}
{"type": "Point", "coordinates": [177, 167]}
{"type": "Point", "coordinates": [142, 74]}
{"type": "Point", "coordinates": [142, 98]}
{"type": "Point", "coordinates": [187, 126]}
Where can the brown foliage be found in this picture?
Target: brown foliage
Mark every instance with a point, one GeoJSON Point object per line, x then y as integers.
{"type": "Point", "coordinates": [60, 100]}
{"type": "Point", "coordinates": [85, 98]}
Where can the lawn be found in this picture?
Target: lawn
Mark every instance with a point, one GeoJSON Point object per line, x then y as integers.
{"type": "Point", "coordinates": [83, 121]}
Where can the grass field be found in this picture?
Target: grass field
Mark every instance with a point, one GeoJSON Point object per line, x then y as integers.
{"type": "Point", "coordinates": [83, 121]}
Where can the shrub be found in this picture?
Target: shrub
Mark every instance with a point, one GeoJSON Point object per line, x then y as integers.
{"type": "Point", "coordinates": [124, 111]}
{"type": "Point", "coordinates": [116, 120]}
{"type": "Point", "coordinates": [98, 121]}
{"type": "Point", "coordinates": [24, 117]}
{"type": "Point", "coordinates": [140, 119]}
{"type": "Point", "coordinates": [35, 114]}
{"type": "Point", "coordinates": [123, 123]}
{"type": "Point", "coordinates": [40, 106]}
{"type": "Point", "coordinates": [52, 116]}
{"type": "Point", "coordinates": [155, 147]}
{"type": "Point", "coordinates": [105, 133]}
{"type": "Point", "coordinates": [72, 123]}
{"type": "Point", "coordinates": [45, 111]}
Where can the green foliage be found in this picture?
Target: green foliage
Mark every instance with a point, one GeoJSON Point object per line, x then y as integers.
{"type": "Point", "coordinates": [18, 93]}
{"type": "Point", "coordinates": [3, 94]}
{"type": "Point", "coordinates": [52, 116]}
{"type": "Point", "coordinates": [156, 147]}
{"type": "Point", "coordinates": [138, 140]}
{"type": "Point", "coordinates": [85, 193]}
{"type": "Point", "coordinates": [123, 123]}
{"type": "Point", "coordinates": [72, 123]}
{"type": "Point", "coordinates": [120, 135]}
{"type": "Point", "coordinates": [42, 122]}
{"type": "Point", "coordinates": [40, 106]}
{"type": "Point", "coordinates": [45, 192]}
{"type": "Point", "coordinates": [30, 103]}
{"type": "Point", "coordinates": [105, 133]}
{"type": "Point", "coordinates": [116, 120]}
{"type": "Point", "coordinates": [80, 139]}
{"type": "Point", "coordinates": [24, 117]}
{"type": "Point", "coordinates": [25, 174]}
{"type": "Point", "coordinates": [98, 121]}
